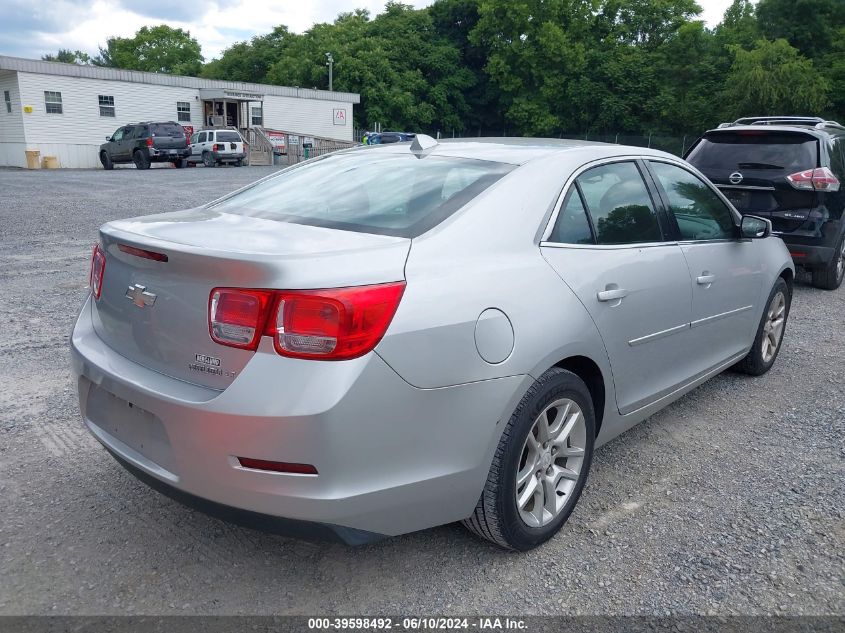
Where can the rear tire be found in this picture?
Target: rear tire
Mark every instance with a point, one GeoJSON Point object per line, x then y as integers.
{"type": "Point", "coordinates": [767, 342]}
{"type": "Point", "coordinates": [179, 164]}
{"type": "Point", "coordinates": [140, 160]}
{"type": "Point", "coordinates": [106, 160]}
{"type": "Point", "coordinates": [537, 476]}
{"type": "Point", "coordinates": [208, 159]}
{"type": "Point", "coordinates": [239, 162]}
{"type": "Point", "coordinates": [830, 276]}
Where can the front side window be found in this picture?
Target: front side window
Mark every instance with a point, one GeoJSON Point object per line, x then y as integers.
{"type": "Point", "coordinates": [368, 192]}
{"type": "Point", "coordinates": [202, 137]}
{"type": "Point", "coordinates": [7, 97]}
{"type": "Point", "coordinates": [118, 135]}
{"type": "Point", "coordinates": [183, 111]}
{"type": "Point", "coordinates": [106, 105]}
{"type": "Point", "coordinates": [699, 212]}
{"type": "Point", "coordinates": [572, 226]}
{"type": "Point", "coordinates": [258, 116]}
{"type": "Point", "coordinates": [620, 205]}
{"type": "Point", "coordinates": [53, 102]}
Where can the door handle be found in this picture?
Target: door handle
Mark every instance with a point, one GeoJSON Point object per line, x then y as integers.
{"type": "Point", "coordinates": [612, 295]}
{"type": "Point", "coordinates": [706, 279]}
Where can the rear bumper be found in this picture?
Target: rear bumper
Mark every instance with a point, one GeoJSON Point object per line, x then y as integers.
{"type": "Point", "coordinates": [391, 458]}
{"type": "Point", "coordinates": [228, 157]}
{"type": "Point", "coordinates": [167, 155]}
{"type": "Point", "coordinates": [813, 246]}
{"type": "Point", "coordinates": [809, 256]}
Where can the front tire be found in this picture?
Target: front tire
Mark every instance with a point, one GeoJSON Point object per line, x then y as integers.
{"type": "Point", "coordinates": [540, 464]}
{"type": "Point", "coordinates": [767, 342]}
{"type": "Point", "coordinates": [830, 276]}
{"type": "Point", "coordinates": [140, 160]}
{"type": "Point", "coordinates": [106, 160]}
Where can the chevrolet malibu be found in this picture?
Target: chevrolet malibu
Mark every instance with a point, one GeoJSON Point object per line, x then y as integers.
{"type": "Point", "coordinates": [391, 338]}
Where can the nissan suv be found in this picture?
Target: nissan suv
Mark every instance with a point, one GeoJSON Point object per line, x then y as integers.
{"type": "Point", "coordinates": [788, 170]}
{"type": "Point", "coordinates": [146, 143]}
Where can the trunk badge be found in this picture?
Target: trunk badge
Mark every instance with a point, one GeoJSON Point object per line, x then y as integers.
{"type": "Point", "coordinates": [735, 178]}
{"type": "Point", "coordinates": [138, 295]}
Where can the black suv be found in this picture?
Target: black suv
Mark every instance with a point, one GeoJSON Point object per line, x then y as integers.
{"type": "Point", "coordinates": [145, 143]}
{"type": "Point", "coordinates": [789, 170]}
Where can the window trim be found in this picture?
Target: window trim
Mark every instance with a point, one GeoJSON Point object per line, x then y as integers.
{"type": "Point", "coordinates": [102, 105]}
{"type": "Point", "coordinates": [645, 174]}
{"type": "Point", "coordinates": [667, 207]}
{"type": "Point", "coordinates": [59, 103]}
{"type": "Point", "coordinates": [179, 112]}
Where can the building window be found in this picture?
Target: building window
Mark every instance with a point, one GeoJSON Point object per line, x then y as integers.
{"type": "Point", "coordinates": [8, 98]}
{"type": "Point", "coordinates": [53, 102]}
{"type": "Point", "coordinates": [258, 116]}
{"type": "Point", "coordinates": [106, 105]}
{"type": "Point", "coordinates": [183, 110]}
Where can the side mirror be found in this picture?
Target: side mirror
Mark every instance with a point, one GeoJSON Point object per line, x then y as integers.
{"type": "Point", "coordinates": [754, 228]}
{"type": "Point", "coordinates": [108, 138]}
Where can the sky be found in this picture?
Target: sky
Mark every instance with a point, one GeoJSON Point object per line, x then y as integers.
{"type": "Point", "coordinates": [31, 29]}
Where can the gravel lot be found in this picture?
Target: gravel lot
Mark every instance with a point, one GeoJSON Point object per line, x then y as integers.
{"type": "Point", "coordinates": [729, 502]}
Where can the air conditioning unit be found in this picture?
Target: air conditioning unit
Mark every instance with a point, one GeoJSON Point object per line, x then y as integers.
{"type": "Point", "coordinates": [217, 120]}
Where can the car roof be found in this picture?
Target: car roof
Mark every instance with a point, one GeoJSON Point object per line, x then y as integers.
{"type": "Point", "coordinates": [818, 132]}
{"type": "Point", "coordinates": [518, 150]}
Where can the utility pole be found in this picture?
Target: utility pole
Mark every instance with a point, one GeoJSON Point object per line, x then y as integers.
{"type": "Point", "coordinates": [330, 64]}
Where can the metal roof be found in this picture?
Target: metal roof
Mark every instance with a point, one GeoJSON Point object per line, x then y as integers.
{"type": "Point", "coordinates": [40, 67]}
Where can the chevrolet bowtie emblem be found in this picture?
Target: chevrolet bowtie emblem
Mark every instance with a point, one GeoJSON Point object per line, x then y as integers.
{"type": "Point", "coordinates": [138, 295]}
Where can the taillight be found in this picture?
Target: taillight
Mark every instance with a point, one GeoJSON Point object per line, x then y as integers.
{"type": "Point", "coordinates": [98, 270]}
{"type": "Point", "coordinates": [150, 142]}
{"type": "Point", "coordinates": [236, 317]}
{"type": "Point", "coordinates": [819, 179]}
{"type": "Point", "coordinates": [331, 324]}
{"type": "Point", "coordinates": [214, 148]}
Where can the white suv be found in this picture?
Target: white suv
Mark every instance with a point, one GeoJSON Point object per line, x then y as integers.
{"type": "Point", "coordinates": [212, 147]}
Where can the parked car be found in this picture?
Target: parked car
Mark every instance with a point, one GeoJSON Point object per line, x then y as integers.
{"type": "Point", "coordinates": [215, 147]}
{"type": "Point", "coordinates": [146, 143]}
{"type": "Point", "coordinates": [384, 138]}
{"type": "Point", "coordinates": [788, 170]}
{"type": "Point", "coordinates": [384, 340]}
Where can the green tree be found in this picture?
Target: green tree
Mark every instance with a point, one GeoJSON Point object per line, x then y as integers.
{"type": "Point", "coordinates": [157, 49]}
{"type": "Point", "coordinates": [250, 61]}
{"type": "Point", "coordinates": [738, 26]}
{"type": "Point", "coordinates": [774, 78]}
{"type": "Point", "coordinates": [68, 56]}
{"type": "Point", "coordinates": [811, 26]}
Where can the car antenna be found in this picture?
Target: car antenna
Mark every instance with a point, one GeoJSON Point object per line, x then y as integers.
{"type": "Point", "coordinates": [421, 144]}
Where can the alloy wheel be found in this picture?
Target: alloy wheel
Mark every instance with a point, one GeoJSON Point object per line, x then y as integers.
{"type": "Point", "coordinates": [773, 329]}
{"type": "Point", "coordinates": [550, 462]}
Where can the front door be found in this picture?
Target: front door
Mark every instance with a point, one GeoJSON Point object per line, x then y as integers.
{"type": "Point", "coordinates": [727, 278]}
{"type": "Point", "coordinates": [608, 246]}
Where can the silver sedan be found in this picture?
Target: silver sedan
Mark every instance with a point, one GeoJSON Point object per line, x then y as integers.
{"type": "Point", "coordinates": [391, 338]}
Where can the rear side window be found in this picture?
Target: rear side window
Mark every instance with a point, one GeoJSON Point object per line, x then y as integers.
{"type": "Point", "coordinates": [756, 149]}
{"type": "Point", "coordinates": [698, 211]}
{"type": "Point", "coordinates": [369, 192]}
{"type": "Point", "coordinates": [228, 137]}
{"type": "Point", "coordinates": [167, 129]}
{"type": "Point", "coordinates": [620, 205]}
{"type": "Point", "coordinates": [572, 226]}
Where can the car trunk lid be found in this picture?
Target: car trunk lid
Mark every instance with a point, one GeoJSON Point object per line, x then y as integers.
{"type": "Point", "coordinates": [751, 166]}
{"type": "Point", "coordinates": [155, 312]}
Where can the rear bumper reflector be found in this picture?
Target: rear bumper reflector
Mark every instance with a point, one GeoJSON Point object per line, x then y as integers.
{"type": "Point", "coordinates": [277, 467]}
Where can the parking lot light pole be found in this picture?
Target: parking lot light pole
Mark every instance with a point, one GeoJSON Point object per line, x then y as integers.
{"type": "Point", "coordinates": [330, 64]}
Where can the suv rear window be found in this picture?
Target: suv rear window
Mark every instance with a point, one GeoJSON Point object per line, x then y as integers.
{"type": "Point", "coordinates": [167, 129]}
{"type": "Point", "coordinates": [753, 149]}
{"type": "Point", "coordinates": [227, 137]}
{"type": "Point", "coordinates": [369, 192]}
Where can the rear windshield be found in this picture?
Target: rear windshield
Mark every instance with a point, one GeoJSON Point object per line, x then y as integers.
{"type": "Point", "coordinates": [167, 129]}
{"type": "Point", "coordinates": [233, 137]}
{"type": "Point", "coordinates": [369, 192]}
{"type": "Point", "coordinates": [755, 150]}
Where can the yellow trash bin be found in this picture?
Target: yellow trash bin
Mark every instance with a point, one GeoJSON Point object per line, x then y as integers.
{"type": "Point", "coordinates": [50, 162]}
{"type": "Point", "coordinates": [32, 159]}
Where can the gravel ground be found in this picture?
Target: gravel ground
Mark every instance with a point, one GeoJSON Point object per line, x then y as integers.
{"type": "Point", "coordinates": [728, 502]}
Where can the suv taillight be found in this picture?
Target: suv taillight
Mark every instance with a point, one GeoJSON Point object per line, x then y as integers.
{"type": "Point", "coordinates": [150, 142]}
{"type": "Point", "coordinates": [330, 324]}
{"type": "Point", "coordinates": [819, 179]}
{"type": "Point", "coordinates": [98, 270]}
{"type": "Point", "coordinates": [214, 148]}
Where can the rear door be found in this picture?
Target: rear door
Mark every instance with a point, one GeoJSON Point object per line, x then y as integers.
{"type": "Point", "coordinates": [607, 244]}
{"type": "Point", "coordinates": [727, 274]}
{"type": "Point", "coordinates": [751, 166]}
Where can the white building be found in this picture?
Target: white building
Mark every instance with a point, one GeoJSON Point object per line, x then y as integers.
{"type": "Point", "coordinates": [65, 110]}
